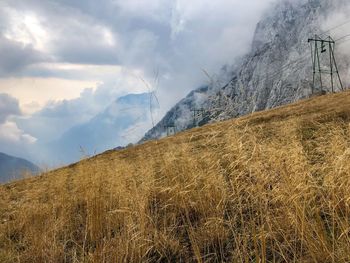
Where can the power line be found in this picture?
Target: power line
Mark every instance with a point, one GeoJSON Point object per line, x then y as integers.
{"type": "Point", "coordinates": [348, 35]}
{"type": "Point", "coordinates": [335, 27]}
{"type": "Point", "coordinates": [272, 76]}
{"type": "Point", "coordinates": [275, 73]}
{"type": "Point", "coordinates": [271, 62]}
{"type": "Point", "coordinates": [342, 42]}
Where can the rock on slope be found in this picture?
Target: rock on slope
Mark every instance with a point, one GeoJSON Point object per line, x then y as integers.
{"type": "Point", "coordinates": [12, 168]}
{"type": "Point", "coordinates": [275, 72]}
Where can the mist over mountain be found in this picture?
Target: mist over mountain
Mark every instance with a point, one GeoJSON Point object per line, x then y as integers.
{"type": "Point", "coordinates": [277, 70]}
{"type": "Point", "coordinates": [121, 123]}
{"type": "Point", "coordinates": [12, 168]}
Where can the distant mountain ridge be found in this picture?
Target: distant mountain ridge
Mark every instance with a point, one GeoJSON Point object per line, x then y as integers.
{"type": "Point", "coordinates": [12, 168]}
{"type": "Point", "coordinates": [122, 122]}
{"type": "Point", "coordinates": [276, 71]}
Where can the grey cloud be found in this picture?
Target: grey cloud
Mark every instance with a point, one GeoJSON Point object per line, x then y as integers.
{"type": "Point", "coordinates": [15, 57]}
{"type": "Point", "coordinates": [8, 106]}
{"type": "Point", "coordinates": [86, 54]}
{"type": "Point", "coordinates": [147, 33]}
{"type": "Point", "coordinates": [74, 36]}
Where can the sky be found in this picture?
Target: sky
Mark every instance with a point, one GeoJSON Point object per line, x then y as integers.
{"type": "Point", "coordinates": [62, 62]}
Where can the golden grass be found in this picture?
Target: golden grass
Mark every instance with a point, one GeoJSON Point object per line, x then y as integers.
{"type": "Point", "coordinates": [270, 187]}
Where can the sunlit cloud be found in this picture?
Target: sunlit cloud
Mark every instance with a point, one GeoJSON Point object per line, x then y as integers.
{"type": "Point", "coordinates": [34, 93]}
{"type": "Point", "coordinates": [10, 132]}
{"type": "Point", "coordinates": [27, 29]}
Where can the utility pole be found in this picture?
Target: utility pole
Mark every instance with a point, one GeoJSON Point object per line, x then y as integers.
{"type": "Point", "coordinates": [198, 115]}
{"type": "Point", "coordinates": [319, 48]}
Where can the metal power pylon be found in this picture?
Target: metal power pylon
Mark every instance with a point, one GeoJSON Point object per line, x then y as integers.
{"type": "Point", "coordinates": [323, 61]}
{"type": "Point", "coordinates": [170, 129]}
{"type": "Point", "coordinates": [198, 115]}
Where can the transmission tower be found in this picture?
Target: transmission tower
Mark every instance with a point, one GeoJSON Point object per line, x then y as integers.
{"type": "Point", "coordinates": [323, 62]}
{"type": "Point", "coordinates": [198, 115]}
{"type": "Point", "coordinates": [170, 129]}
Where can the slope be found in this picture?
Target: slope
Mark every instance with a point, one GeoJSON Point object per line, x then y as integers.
{"type": "Point", "coordinates": [269, 187]}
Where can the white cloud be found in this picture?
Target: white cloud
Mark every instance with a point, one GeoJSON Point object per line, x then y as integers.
{"type": "Point", "coordinates": [38, 91]}
{"type": "Point", "coordinates": [12, 138]}
{"type": "Point", "coordinates": [27, 29]}
{"type": "Point", "coordinates": [9, 132]}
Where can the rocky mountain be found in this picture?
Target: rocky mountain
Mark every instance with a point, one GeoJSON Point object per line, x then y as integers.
{"type": "Point", "coordinates": [12, 168]}
{"type": "Point", "coordinates": [277, 70]}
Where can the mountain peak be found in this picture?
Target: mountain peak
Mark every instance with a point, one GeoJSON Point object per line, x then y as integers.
{"type": "Point", "coordinates": [277, 70]}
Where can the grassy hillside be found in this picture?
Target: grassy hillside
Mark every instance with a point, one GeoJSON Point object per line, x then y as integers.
{"type": "Point", "coordinates": [270, 187]}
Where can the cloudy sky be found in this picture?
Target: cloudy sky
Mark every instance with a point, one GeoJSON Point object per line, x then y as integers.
{"type": "Point", "coordinates": [64, 61]}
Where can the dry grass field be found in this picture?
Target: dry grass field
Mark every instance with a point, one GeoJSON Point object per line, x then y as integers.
{"type": "Point", "coordinates": [270, 187]}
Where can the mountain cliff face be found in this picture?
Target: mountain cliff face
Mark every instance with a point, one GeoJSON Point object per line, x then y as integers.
{"type": "Point", "coordinates": [277, 70]}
